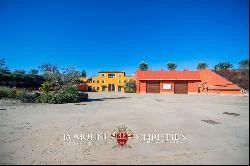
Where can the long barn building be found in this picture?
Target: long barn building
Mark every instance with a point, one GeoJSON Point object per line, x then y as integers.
{"type": "Point", "coordinates": [183, 82]}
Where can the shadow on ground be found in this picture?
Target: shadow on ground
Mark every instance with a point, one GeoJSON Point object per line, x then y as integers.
{"type": "Point", "coordinates": [106, 98]}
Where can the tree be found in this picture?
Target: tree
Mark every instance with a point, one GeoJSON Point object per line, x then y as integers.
{"type": "Point", "coordinates": [70, 76]}
{"type": "Point", "coordinates": [19, 72]}
{"type": "Point", "coordinates": [33, 72]}
{"type": "Point", "coordinates": [143, 66]}
{"type": "Point", "coordinates": [202, 66]}
{"type": "Point", "coordinates": [48, 68]}
{"type": "Point", "coordinates": [84, 74]}
{"type": "Point", "coordinates": [52, 74]}
{"type": "Point", "coordinates": [171, 66]}
{"type": "Point", "coordinates": [130, 87]}
{"type": "Point", "coordinates": [223, 66]}
{"type": "Point", "coordinates": [244, 64]}
{"type": "Point", "coordinates": [19, 78]}
{"type": "Point", "coordinates": [4, 73]}
{"type": "Point", "coordinates": [57, 79]}
{"type": "Point", "coordinates": [3, 67]}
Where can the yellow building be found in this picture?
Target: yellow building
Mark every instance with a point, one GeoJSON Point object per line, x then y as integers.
{"type": "Point", "coordinates": [107, 81]}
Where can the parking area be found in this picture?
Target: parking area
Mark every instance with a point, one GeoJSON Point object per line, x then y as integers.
{"type": "Point", "coordinates": [216, 128]}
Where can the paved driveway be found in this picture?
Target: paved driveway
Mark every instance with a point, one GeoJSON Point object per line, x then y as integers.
{"type": "Point", "coordinates": [34, 133]}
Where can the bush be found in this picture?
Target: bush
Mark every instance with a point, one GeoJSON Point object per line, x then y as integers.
{"type": "Point", "coordinates": [44, 98]}
{"type": "Point", "coordinates": [68, 95]}
{"type": "Point", "coordinates": [5, 92]}
{"type": "Point", "coordinates": [60, 98]}
{"type": "Point", "coordinates": [130, 87]}
{"type": "Point", "coordinates": [20, 94]}
{"type": "Point", "coordinates": [69, 89]}
{"type": "Point", "coordinates": [45, 87]}
{"type": "Point", "coordinates": [28, 97]}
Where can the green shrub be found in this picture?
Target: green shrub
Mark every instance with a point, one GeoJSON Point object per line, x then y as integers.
{"type": "Point", "coordinates": [14, 93]}
{"type": "Point", "coordinates": [5, 92]}
{"type": "Point", "coordinates": [19, 93]}
{"type": "Point", "coordinates": [69, 89]}
{"type": "Point", "coordinates": [68, 95]}
{"type": "Point", "coordinates": [130, 87]}
{"type": "Point", "coordinates": [25, 96]}
{"type": "Point", "coordinates": [45, 87]}
{"type": "Point", "coordinates": [45, 98]}
{"type": "Point", "coordinates": [28, 97]}
{"type": "Point", "coordinates": [60, 98]}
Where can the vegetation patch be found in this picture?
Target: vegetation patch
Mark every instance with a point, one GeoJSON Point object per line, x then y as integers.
{"type": "Point", "coordinates": [130, 87]}
{"type": "Point", "coordinates": [55, 86]}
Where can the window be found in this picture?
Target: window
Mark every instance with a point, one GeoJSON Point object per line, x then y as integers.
{"type": "Point", "coordinates": [103, 88]}
{"type": "Point", "coordinates": [97, 81]}
{"type": "Point", "coordinates": [102, 81]}
{"type": "Point", "coordinates": [120, 74]}
{"type": "Point", "coordinates": [93, 81]}
{"type": "Point", "coordinates": [93, 88]}
{"type": "Point", "coordinates": [103, 75]}
{"type": "Point", "coordinates": [97, 88]}
{"type": "Point", "coordinates": [119, 81]}
{"type": "Point", "coordinates": [119, 89]}
{"type": "Point", "coordinates": [111, 87]}
{"type": "Point", "coordinates": [166, 86]}
{"type": "Point", "coordinates": [111, 75]}
{"type": "Point", "coordinates": [125, 81]}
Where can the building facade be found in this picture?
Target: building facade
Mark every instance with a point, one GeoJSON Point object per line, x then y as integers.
{"type": "Point", "coordinates": [107, 81]}
{"type": "Point", "coordinates": [183, 82]}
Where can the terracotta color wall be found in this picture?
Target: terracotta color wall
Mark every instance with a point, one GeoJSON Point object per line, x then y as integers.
{"type": "Point", "coordinates": [142, 86]}
{"type": "Point", "coordinates": [167, 91]}
{"type": "Point", "coordinates": [211, 79]}
{"type": "Point", "coordinates": [137, 83]}
{"type": "Point", "coordinates": [193, 86]}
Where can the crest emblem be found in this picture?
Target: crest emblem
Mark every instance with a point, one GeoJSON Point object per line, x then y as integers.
{"type": "Point", "coordinates": [122, 135]}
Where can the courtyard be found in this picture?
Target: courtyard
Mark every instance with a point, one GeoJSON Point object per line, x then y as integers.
{"type": "Point", "coordinates": [216, 128]}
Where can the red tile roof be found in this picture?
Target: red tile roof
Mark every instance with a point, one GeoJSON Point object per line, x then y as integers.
{"type": "Point", "coordinates": [167, 75]}
{"type": "Point", "coordinates": [213, 80]}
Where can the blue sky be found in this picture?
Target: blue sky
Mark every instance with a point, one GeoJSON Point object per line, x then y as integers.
{"type": "Point", "coordinates": [117, 34]}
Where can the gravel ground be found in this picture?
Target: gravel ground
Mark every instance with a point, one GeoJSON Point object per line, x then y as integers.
{"type": "Point", "coordinates": [34, 133]}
